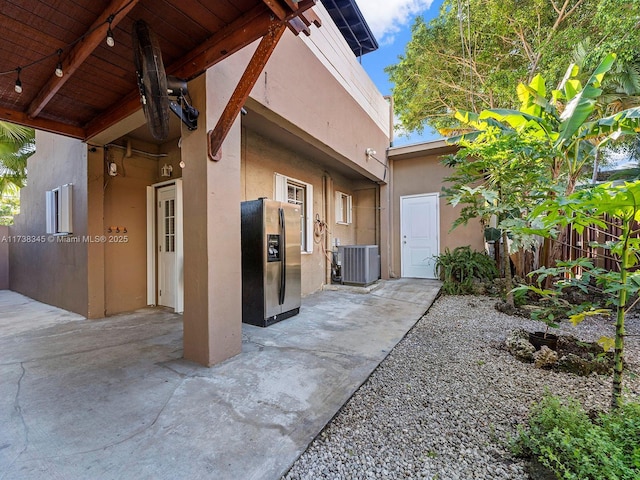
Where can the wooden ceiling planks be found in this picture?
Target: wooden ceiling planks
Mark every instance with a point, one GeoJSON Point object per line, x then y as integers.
{"type": "Point", "coordinates": [98, 87]}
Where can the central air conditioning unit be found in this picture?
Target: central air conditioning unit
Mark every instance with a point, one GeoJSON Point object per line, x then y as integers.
{"type": "Point", "coordinates": [360, 264]}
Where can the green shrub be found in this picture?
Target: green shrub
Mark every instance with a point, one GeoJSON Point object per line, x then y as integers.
{"type": "Point", "coordinates": [564, 439]}
{"type": "Point", "coordinates": [459, 268]}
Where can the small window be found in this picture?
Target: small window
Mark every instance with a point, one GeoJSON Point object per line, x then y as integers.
{"type": "Point", "coordinates": [299, 193]}
{"type": "Point", "coordinates": [59, 203]}
{"type": "Point", "coordinates": [169, 226]}
{"type": "Point", "coordinates": [343, 208]}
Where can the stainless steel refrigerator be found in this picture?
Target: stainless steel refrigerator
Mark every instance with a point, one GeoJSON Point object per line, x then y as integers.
{"type": "Point", "coordinates": [270, 261]}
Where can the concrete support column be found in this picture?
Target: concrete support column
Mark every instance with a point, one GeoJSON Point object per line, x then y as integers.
{"type": "Point", "coordinates": [212, 195]}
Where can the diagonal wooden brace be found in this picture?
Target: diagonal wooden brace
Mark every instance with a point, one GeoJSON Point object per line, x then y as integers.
{"type": "Point", "coordinates": [243, 89]}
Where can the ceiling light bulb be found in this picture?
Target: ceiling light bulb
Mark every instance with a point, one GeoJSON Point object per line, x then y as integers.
{"type": "Point", "coordinates": [18, 86]}
{"type": "Point", "coordinates": [59, 72]}
{"type": "Point", "coordinates": [110, 41]}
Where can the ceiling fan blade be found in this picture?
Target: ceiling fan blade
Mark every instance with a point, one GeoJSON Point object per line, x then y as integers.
{"type": "Point", "coordinates": [152, 80]}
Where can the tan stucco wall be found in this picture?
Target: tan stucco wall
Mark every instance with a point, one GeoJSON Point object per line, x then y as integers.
{"type": "Point", "coordinates": [125, 207]}
{"type": "Point", "coordinates": [341, 119]}
{"type": "Point", "coordinates": [212, 263]}
{"type": "Point", "coordinates": [52, 272]}
{"type": "Point", "coordinates": [425, 174]}
{"type": "Point", "coordinates": [366, 214]}
{"type": "Point", "coordinates": [4, 257]}
{"type": "Point", "coordinates": [262, 158]}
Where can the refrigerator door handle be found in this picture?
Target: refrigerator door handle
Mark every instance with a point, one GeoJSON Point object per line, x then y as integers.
{"type": "Point", "coordinates": [283, 257]}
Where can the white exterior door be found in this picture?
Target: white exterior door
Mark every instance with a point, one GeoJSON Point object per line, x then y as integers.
{"type": "Point", "coordinates": [419, 235]}
{"type": "Point", "coordinates": [166, 217]}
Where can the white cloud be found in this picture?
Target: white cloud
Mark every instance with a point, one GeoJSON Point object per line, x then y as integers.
{"type": "Point", "coordinates": [387, 17]}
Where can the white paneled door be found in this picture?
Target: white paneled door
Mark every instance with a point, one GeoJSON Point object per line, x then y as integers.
{"type": "Point", "coordinates": [419, 235]}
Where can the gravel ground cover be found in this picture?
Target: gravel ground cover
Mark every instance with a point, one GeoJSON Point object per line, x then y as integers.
{"type": "Point", "coordinates": [444, 402]}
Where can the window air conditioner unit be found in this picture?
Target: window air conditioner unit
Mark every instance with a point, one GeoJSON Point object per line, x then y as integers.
{"type": "Point", "coordinates": [360, 264]}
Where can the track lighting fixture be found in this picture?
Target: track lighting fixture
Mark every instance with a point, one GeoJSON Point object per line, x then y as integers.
{"type": "Point", "coordinates": [18, 86]}
{"type": "Point", "coordinates": [59, 72]}
{"type": "Point", "coordinates": [110, 41]}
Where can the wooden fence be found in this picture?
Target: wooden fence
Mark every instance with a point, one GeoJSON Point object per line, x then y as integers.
{"type": "Point", "coordinates": [582, 244]}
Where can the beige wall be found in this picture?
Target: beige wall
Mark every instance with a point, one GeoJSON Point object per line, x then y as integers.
{"type": "Point", "coordinates": [263, 157]}
{"type": "Point", "coordinates": [342, 119]}
{"type": "Point", "coordinates": [125, 207]}
{"type": "Point", "coordinates": [367, 218]}
{"type": "Point", "coordinates": [425, 174]}
{"type": "Point", "coordinates": [52, 272]}
{"type": "Point", "coordinates": [4, 257]}
{"type": "Point", "coordinates": [212, 263]}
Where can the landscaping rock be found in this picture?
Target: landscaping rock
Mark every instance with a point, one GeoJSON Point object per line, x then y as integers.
{"type": "Point", "coordinates": [572, 363]}
{"type": "Point", "coordinates": [447, 399]}
{"type": "Point", "coordinates": [517, 343]}
{"type": "Point", "coordinates": [545, 358]}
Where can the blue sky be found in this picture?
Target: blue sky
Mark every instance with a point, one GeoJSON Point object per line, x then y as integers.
{"type": "Point", "coordinates": [390, 21]}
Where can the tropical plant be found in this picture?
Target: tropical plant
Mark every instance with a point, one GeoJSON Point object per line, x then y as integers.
{"type": "Point", "coordinates": [498, 176]}
{"type": "Point", "coordinates": [9, 207]}
{"type": "Point", "coordinates": [459, 268]}
{"type": "Point", "coordinates": [567, 441]}
{"type": "Point", "coordinates": [601, 206]}
{"type": "Point", "coordinates": [17, 144]}
{"type": "Point", "coordinates": [551, 304]}
{"type": "Point", "coordinates": [563, 123]}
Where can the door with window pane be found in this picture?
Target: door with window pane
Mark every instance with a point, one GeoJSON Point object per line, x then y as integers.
{"type": "Point", "coordinates": [296, 195]}
{"type": "Point", "coordinates": [166, 218]}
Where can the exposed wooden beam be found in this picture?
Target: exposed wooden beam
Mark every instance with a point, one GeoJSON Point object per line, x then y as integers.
{"type": "Point", "coordinates": [227, 41]}
{"type": "Point", "coordinates": [238, 34]}
{"type": "Point", "coordinates": [243, 89]}
{"type": "Point", "coordinates": [302, 6]}
{"type": "Point", "coordinates": [79, 53]}
{"type": "Point", "coordinates": [243, 31]}
{"type": "Point", "coordinates": [125, 107]}
{"type": "Point", "coordinates": [296, 26]}
{"type": "Point", "coordinates": [276, 8]}
{"type": "Point", "coordinates": [310, 17]}
{"type": "Point", "coordinates": [21, 118]}
{"type": "Point", "coordinates": [293, 4]}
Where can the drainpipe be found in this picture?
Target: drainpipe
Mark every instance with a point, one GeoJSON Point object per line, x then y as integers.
{"type": "Point", "coordinates": [327, 239]}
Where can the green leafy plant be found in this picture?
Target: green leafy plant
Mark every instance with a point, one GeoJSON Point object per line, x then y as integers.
{"type": "Point", "coordinates": [552, 305]}
{"type": "Point", "coordinates": [601, 206]}
{"type": "Point", "coordinates": [565, 122]}
{"type": "Point", "coordinates": [565, 440]}
{"type": "Point", "coordinates": [496, 178]}
{"type": "Point", "coordinates": [460, 267]}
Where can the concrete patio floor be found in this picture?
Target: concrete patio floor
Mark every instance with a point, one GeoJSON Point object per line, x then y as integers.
{"type": "Point", "coordinates": [112, 398]}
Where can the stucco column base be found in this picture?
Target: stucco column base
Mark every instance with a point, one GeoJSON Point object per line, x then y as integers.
{"type": "Point", "coordinates": [212, 261]}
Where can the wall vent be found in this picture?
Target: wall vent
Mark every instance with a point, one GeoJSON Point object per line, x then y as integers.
{"type": "Point", "coordinates": [360, 264]}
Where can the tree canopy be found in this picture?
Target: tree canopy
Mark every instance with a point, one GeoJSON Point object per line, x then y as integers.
{"type": "Point", "coordinates": [471, 55]}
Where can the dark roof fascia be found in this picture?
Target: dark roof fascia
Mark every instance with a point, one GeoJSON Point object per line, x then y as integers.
{"type": "Point", "coordinates": [353, 26]}
{"type": "Point", "coordinates": [423, 149]}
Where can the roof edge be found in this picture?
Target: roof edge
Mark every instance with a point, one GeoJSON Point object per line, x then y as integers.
{"type": "Point", "coordinates": [354, 28]}
{"type": "Point", "coordinates": [431, 147]}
